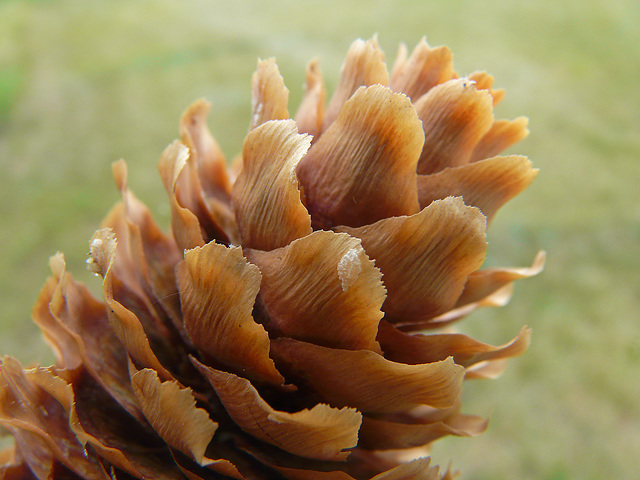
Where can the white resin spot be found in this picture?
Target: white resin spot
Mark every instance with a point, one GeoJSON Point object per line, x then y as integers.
{"type": "Point", "coordinates": [256, 115]}
{"type": "Point", "coordinates": [467, 82]}
{"type": "Point", "coordinates": [349, 267]}
{"type": "Point", "coordinates": [101, 249]}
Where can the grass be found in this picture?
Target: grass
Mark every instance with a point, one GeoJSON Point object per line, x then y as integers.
{"type": "Point", "coordinates": [83, 84]}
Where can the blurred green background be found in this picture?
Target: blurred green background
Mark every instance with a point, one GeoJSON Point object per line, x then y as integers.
{"type": "Point", "coordinates": [83, 84]}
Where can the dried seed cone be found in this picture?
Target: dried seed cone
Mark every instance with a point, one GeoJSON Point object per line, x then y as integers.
{"type": "Point", "coordinates": [273, 333]}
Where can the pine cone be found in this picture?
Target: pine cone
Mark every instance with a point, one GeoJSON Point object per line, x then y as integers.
{"type": "Point", "coordinates": [273, 334]}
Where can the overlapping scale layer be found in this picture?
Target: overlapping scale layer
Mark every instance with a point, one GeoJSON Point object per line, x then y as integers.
{"type": "Point", "coordinates": [288, 326]}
